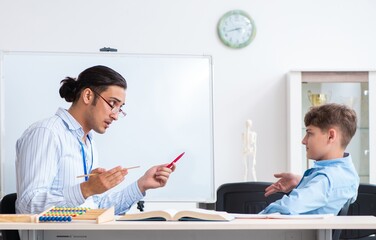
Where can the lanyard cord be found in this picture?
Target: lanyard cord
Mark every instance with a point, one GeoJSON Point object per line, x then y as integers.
{"type": "Point", "coordinates": [84, 158]}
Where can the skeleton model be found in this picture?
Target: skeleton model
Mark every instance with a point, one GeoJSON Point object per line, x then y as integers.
{"type": "Point", "coordinates": [249, 152]}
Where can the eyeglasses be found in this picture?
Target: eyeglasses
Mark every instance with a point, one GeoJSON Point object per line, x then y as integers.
{"type": "Point", "coordinates": [114, 109]}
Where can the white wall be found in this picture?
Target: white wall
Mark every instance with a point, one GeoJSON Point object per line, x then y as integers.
{"type": "Point", "coordinates": [249, 83]}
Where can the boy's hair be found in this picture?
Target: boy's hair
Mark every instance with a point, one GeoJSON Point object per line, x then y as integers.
{"type": "Point", "coordinates": [333, 115]}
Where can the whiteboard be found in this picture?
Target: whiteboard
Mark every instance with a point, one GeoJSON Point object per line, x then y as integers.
{"type": "Point", "coordinates": [169, 105]}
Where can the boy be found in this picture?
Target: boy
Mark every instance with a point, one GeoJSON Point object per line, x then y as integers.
{"type": "Point", "coordinates": [333, 180]}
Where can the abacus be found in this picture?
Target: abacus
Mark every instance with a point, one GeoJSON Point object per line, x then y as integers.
{"type": "Point", "coordinates": [63, 214]}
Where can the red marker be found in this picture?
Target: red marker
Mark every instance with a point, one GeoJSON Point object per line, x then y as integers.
{"type": "Point", "coordinates": [175, 160]}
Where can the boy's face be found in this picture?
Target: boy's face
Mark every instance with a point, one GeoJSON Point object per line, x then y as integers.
{"type": "Point", "coordinates": [317, 143]}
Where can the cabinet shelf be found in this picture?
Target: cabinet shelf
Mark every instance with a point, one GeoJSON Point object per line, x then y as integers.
{"type": "Point", "coordinates": [353, 88]}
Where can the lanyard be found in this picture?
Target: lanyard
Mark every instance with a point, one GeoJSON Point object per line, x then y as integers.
{"type": "Point", "coordinates": [84, 158]}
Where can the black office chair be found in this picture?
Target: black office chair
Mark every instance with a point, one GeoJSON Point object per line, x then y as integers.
{"type": "Point", "coordinates": [8, 206]}
{"type": "Point", "coordinates": [248, 197]}
{"type": "Point", "coordinates": [365, 204]}
{"type": "Point", "coordinates": [244, 197]}
{"type": "Point", "coordinates": [343, 212]}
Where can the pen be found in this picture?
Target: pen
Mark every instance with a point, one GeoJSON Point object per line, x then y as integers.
{"type": "Point", "coordinates": [93, 174]}
{"type": "Point", "coordinates": [175, 160]}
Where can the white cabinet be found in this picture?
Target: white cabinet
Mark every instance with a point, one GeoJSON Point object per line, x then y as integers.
{"type": "Point", "coordinates": [357, 89]}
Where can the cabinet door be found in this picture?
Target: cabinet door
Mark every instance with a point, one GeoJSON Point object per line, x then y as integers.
{"type": "Point", "coordinates": [355, 88]}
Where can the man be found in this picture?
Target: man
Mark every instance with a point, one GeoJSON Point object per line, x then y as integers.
{"type": "Point", "coordinates": [53, 152]}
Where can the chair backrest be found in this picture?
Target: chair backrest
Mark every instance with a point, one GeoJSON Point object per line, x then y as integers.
{"type": "Point", "coordinates": [248, 197]}
{"type": "Point", "coordinates": [8, 206]}
{"type": "Point", "coordinates": [365, 204]}
{"type": "Point", "coordinates": [244, 197]}
{"type": "Point", "coordinates": [343, 212]}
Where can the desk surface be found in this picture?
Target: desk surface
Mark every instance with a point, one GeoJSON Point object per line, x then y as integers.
{"type": "Point", "coordinates": [336, 222]}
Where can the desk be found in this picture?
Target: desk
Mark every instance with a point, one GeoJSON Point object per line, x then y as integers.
{"type": "Point", "coordinates": [237, 229]}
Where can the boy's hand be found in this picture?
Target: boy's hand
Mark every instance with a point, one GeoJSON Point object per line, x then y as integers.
{"type": "Point", "coordinates": [286, 183]}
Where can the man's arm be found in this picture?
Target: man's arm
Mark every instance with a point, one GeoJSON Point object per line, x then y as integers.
{"type": "Point", "coordinates": [155, 177]}
{"type": "Point", "coordinates": [38, 154]}
{"type": "Point", "coordinates": [103, 181]}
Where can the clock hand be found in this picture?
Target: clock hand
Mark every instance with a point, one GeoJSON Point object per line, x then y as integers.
{"type": "Point", "coordinates": [235, 29]}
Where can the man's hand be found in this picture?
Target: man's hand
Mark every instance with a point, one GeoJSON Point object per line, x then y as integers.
{"type": "Point", "coordinates": [286, 182]}
{"type": "Point", "coordinates": [103, 181]}
{"type": "Point", "coordinates": [155, 177]}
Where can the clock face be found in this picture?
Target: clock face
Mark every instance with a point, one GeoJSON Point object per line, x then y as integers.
{"type": "Point", "coordinates": [236, 29]}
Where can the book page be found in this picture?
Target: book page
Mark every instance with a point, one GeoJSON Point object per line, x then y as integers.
{"type": "Point", "coordinates": [157, 215]}
{"type": "Point", "coordinates": [175, 215]}
{"type": "Point", "coordinates": [202, 215]}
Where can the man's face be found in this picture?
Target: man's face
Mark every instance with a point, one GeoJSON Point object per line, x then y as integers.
{"type": "Point", "coordinates": [101, 113]}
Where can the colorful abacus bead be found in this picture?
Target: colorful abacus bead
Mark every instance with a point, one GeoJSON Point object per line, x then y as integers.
{"type": "Point", "coordinates": [55, 219]}
{"type": "Point", "coordinates": [62, 214]}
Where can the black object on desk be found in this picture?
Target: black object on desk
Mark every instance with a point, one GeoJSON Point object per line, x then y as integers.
{"type": "Point", "coordinates": [140, 206]}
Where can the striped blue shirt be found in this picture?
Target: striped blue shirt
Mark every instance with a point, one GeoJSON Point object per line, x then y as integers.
{"type": "Point", "coordinates": [325, 188]}
{"type": "Point", "coordinates": [48, 159]}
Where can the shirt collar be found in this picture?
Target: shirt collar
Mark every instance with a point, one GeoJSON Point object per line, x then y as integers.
{"type": "Point", "coordinates": [72, 123]}
{"type": "Point", "coordinates": [344, 160]}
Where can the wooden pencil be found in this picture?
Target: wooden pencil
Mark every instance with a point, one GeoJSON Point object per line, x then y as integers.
{"type": "Point", "coordinates": [93, 174]}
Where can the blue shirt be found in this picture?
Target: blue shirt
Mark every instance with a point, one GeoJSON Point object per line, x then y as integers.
{"type": "Point", "coordinates": [49, 158]}
{"type": "Point", "coordinates": [324, 189]}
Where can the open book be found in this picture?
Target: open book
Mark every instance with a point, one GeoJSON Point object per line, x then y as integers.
{"type": "Point", "coordinates": [175, 215]}
{"type": "Point", "coordinates": [280, 216]}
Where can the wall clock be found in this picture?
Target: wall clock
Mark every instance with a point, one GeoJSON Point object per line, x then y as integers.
{"type": "Point", "coordinates": [236, 29]}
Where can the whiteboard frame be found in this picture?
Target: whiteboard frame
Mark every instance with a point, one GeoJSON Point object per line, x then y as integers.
{"type": "Point", "coordinates": [211, 196]}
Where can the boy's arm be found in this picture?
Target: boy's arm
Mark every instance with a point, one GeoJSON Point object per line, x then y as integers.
{"type": "Point", "coordinates": [286, 183]}
{"type": "Point", "coordinates": [302, 200]}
